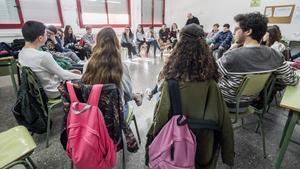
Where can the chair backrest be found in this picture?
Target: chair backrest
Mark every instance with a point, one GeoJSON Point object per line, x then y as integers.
{"type": "Point", "coordinates": [253, 84]}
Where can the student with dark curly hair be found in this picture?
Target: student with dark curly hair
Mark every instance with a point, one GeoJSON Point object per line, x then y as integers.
{"type": "Point", "coordinates": [251, 58]}
{"type": "Point", "coordinates": [192, 65]}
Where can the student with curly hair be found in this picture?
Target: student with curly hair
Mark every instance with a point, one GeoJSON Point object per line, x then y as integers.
{"type": "Point", "coordinates": [192, 65]}
{"type": "Point", "coordinates": [251, 58]}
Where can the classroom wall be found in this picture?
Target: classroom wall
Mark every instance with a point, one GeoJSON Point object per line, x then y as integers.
{"type": "Point", "coordinates": [221, 11]}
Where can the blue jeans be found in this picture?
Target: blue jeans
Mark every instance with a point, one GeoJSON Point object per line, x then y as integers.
{"type": "Point", "coordinates": [125, 110]}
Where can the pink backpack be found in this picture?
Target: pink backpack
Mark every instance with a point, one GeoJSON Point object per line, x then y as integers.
{"type": "Point", "coordinates": [89, 144]}
{"type": "Point", "coordinates": [175, 145]}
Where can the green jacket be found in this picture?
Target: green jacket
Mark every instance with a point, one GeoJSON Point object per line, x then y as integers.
{"type": "Point", "coordinates": [203, 101]}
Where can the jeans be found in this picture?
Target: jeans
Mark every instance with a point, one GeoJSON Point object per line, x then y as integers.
{"type": "Point", "coordinates": [155, 44]}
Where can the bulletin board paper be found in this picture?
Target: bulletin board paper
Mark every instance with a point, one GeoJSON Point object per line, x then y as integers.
{"type": "Point", "coordinates": [282, 11]}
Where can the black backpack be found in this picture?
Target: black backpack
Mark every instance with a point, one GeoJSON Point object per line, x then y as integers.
{"type": "Point", "coordinates": [17, 44]}
{"type": "Point", "coordinates": [31, 108]}
{"type": "Point", "coordinates": [7, 50]}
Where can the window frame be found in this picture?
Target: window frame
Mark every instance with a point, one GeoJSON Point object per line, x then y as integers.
{"type": "Point", "coordinates": [21, 17]}
{"type": "Point", "coordinates": [81, 25]}
{"type": "Point", "coordinates": [152, 15]}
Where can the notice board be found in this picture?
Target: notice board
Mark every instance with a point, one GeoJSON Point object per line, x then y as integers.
{"type": "Point", "coordinates": [280, 13]}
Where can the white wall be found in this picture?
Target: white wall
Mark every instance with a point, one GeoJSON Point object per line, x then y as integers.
{"type": "Point", "coordinates": [222, 11]}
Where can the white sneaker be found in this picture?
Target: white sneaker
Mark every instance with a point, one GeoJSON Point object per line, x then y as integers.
{"type": "Point", "coordinates": [81, 62]}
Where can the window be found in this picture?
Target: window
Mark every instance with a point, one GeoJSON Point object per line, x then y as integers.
{"type": "Point", "coordinates": [99, 13]}
{"type": "Point", "coordinates": [152, 12]}
{"type": "Point", "coordinates": [10, 14]}
{"type": "Point", "coordinates": [46, 11]}
{"type": "Point", "coordinates": [13, 13]}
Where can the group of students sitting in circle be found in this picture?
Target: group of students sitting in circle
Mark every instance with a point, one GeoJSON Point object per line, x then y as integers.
{"type": "Point", "coordinates": [166, 39]}
{"type": "Point", "coordinates": [207, 86]}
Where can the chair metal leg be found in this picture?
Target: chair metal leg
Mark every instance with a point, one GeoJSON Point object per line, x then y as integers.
{"type": "Point", "coordinates": [123, 159]}
{"type": "Point", "coordinates": [285, 139]}
{"type": "Point", "coordinates": [48, 127]}
{"type": "Point", "coordinates": [136, 128]}
{"type": "Point", "coordinates": [257, 127]}
{"type": "Point", "coordinates": [31, 163]}
{"type": "Point", "coordinates": [276, 101]}
{"type": "Point", "coordinates": [23, 162]}
{"type": "Point", "coordinates": [262, 134]}
{"type": "Point", "coordinates": [285, 128]}
{"type": "Point", "coordinates": [242, 119]}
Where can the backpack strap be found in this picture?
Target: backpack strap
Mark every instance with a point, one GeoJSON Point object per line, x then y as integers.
{"type": "Point", "coordinates": [95, 95]}
{"type": "Point", "coordinates": [203, 124]}
{"type": "Point", "coordinates": [175, 99]}
{"type": "Point", "coordinates": [71, 92]}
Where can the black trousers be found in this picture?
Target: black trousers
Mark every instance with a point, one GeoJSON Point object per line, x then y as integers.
{"type": "Point", "coordinates": [130, 47]}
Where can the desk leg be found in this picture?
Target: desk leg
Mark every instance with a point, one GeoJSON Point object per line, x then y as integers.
{"type": "Point", "coordinates": [289, 126]}
{"type": "Point", "coordinates": [290, 115]}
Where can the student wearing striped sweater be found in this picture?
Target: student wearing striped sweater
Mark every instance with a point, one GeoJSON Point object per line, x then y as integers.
{"type": "Point", "coordinates": [250, 58]}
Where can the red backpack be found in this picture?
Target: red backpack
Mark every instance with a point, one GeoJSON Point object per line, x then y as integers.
{"type": "Point", "coordinates": [89, 144]}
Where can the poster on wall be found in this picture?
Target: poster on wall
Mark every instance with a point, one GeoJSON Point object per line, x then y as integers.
{"type": "Point", "coordinates": [255, 3]}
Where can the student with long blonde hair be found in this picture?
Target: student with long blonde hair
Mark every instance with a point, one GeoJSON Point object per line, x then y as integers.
{"type": "Point", "coordinates": [104, 67]}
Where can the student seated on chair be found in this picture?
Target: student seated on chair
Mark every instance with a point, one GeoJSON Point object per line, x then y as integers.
{"type": "Point", "coordinates": [55, 47]}
{"type": "Point", "coordinates": [88, 39]}
{"type": "Point", "coordinates": [42, 63]}
{"type": "Point", "coordinates": [212, 35]}
{"type": "Point", "coordinates": [127, 42]}
{"type": "Point", "coordinates": [140, 38]}
{"type": "Point", "coordinates": [151, 39]}
{"type": "Point", "coordinates": [174, 33]}
{"type": "Point", "coordinates": [126, 83]}
{"type": "Point", "coordinates": [70, 42]}
{"type": "Point", "coordinates": [251, 58]}
{"type": "Point", "coordinates": [272, 39]}
{"type": "Point", "coordinates": [163, 37]}
{"type": "Point", "coordinates": [192, 65]}
{"type": "Point", "coordinates": [105, 67]}
{"type": "Point", "coordinates": [222, 41]}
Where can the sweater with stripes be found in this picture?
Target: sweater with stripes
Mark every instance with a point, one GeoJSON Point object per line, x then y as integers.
{"type": "Point", "coordinates": [235, 64]}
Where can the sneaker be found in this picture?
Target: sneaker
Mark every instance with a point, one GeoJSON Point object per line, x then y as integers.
{"type": "Point", "coordinates": [139, 99]}
{"type": "Point", "coordinates": [81, 62]}
{"type": "Point", "coordinates": [148, 94]}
